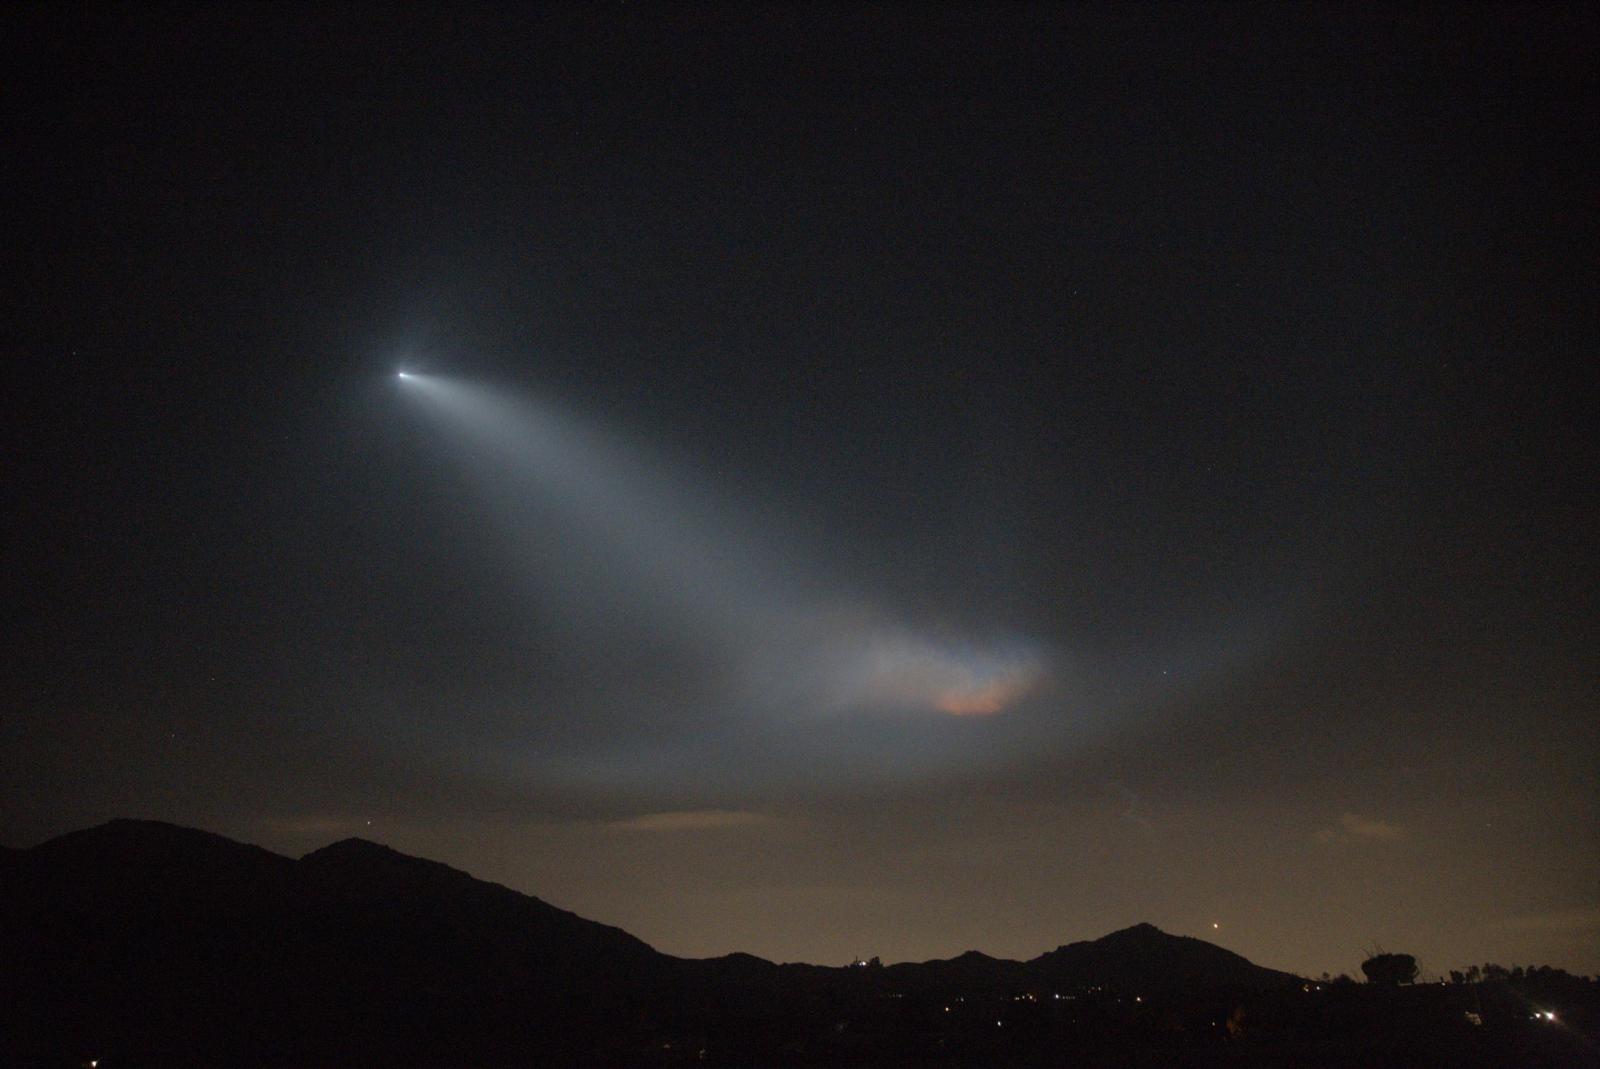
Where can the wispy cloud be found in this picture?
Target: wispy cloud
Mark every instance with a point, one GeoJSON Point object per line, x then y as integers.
{"type": "Point", "coordinates": [1132, 804]}
{"type": "Point", "coordinates": [1561, 920]}
{"type": "Point", "coordinates": [1353, 826]}
{"type": "Point", "coordinates": [691, 820]}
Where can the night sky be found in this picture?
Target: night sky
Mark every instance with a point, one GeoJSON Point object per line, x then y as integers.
{"type": "Point", "coordinates": [871, 481]}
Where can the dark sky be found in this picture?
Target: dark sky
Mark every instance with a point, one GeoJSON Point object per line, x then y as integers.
{"type": "Point", "coordinates": [878, 481]}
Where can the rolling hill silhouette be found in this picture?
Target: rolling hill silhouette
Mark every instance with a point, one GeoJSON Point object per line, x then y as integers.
{"type": "Point", "coordinates": [139, 942]}
{"type": "Point", "coordinates": [1145, 958]}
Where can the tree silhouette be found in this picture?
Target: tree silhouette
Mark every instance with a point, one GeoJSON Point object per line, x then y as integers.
{"type": "Point", "coordinates": [1390, 969]}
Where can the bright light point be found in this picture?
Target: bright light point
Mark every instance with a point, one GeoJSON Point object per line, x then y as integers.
{"type": "Point", "coordinates": [402, 375]}
{"type": "Point", "coordinates": [1214, 924]}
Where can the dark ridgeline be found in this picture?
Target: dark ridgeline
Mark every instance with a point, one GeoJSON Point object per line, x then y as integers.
{"type": "Point", "coordinates": [140, 943]}
{"type": "Point", "coordinates": [1146, 959]}
{"type": "Point", "coordinates": [164, 945]}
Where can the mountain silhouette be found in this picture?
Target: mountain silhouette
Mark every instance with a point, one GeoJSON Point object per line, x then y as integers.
{"type": "Point", "coordinates": [143, 943]}
{"type": "Point", "coordinates": [1144, 958]}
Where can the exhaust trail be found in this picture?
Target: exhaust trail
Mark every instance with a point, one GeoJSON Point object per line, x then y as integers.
{"type": "Point", "coordinates": [653, 537]}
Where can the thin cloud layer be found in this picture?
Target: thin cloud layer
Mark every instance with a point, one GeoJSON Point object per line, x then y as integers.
{"type": "Point", "coordinates": [691, 820]}
{"type": "Point", "coordinates": [1561, 920]}
{"type": "Point", "coordinates": [1352, 827]}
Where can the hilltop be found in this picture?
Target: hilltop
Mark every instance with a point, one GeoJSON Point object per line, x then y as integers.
{"type": "Point", "coordinates": [142, 943]}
